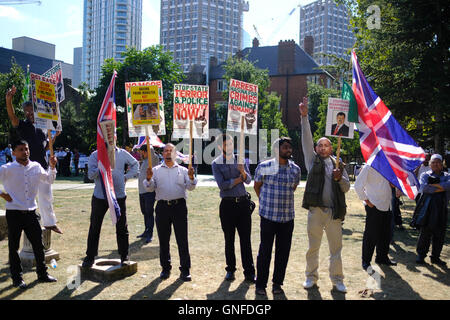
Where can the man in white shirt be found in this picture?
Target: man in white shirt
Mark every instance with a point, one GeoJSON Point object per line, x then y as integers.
{"type": "Point", "coordinates": [21, 180]}
{"type": "Point", "coordinates": [376, 193]}
{"type": "Point", "coordinates": [170, 182]}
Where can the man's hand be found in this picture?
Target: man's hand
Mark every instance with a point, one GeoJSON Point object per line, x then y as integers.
{"type": "Point", "coordinates": [6, 196]}
{"type": "Point", "coordinates": [337, 174]}
{"type": "Point", "coordinates": [191, 172]}
{"type": "Point", "coordinates": [303, 107]}
{"type": "Point", "coordinates": [54, 229]}
{"type": "Point", "coordinates": [370, 204]}
{"type": "Point", "coordinates": [240, 167]}
{"type": "Point", "coordinates": [10, 93]}
{"type": "Point", "coordinates": [53, 161]}
{"type": "Point", "coordinates": [149, 173]}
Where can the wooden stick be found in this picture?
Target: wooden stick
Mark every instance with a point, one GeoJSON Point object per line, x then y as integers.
{"type": "Point", "coordinates": [149, 150]}
{"type": "Point", "coordinates": [242, 143]}
{"type": "Point", "coordinates": [338, 152]}
{"type": "Point", "coordinates": [50, 142]}
{"type": "Point", "coordinates": [191, 124]}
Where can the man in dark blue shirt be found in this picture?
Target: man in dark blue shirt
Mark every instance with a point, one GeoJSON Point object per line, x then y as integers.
{"type": "Point", "coordinates": [234, 210]}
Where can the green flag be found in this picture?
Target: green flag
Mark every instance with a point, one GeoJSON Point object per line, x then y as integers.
{"type": "Point", "coordinates": [347, 94]}
{"type": "Point", "coordinates": [26, 87]}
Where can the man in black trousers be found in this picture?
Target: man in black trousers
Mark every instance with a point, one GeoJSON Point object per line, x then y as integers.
{"type": "Point", "coordinates": [234, 210]}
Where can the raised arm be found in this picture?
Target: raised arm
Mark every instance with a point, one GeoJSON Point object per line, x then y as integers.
{"type": "Point", "coordinates": [307, 140]}
{"type": "Point", "coordinates": [9, 107]}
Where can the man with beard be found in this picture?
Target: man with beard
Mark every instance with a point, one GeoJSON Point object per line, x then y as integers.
{"type": "Point", "coordinates": [37, 142]}
{"type": "Point", "coordinates": [275, 183]}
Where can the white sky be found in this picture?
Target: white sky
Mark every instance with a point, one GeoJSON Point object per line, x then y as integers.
{"type": "Point", "coordinates": [61, 22]}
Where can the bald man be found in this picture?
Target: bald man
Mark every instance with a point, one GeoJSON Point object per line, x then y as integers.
{"type": "Point", "coordinates": [324, 198]}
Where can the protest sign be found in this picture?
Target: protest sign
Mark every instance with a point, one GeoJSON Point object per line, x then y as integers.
{"type": "Point", "coordinates": [55, 73]}
{"type": "Point", "coordinates": [45, 103]}
{"type": "Point", "coordinates": [145, 101]}
{"type": "Point", "coordinates": [242, 104]}
{"type": "Point", "coordinates": [139, 130]}
{"type": "Point", "coordinates": [190, 105]}
{"type": "Point", "coordinates": [337, 119]}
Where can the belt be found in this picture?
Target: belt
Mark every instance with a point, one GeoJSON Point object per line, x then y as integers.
{"type": "Point", "coordinates": [236, 199]}
{"type": "Point", "coordinates": [172, 202]}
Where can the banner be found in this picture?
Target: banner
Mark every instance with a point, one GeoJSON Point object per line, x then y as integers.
{"type": "Point", "coordinates": [337, 119]}
{"type": "Point", "coordinates": [136, 129]}
{"type": "Point", "coordinates": [190, 103]}
{"type": "Point", "coordinates": [55, 73]}
{"type": "Point", "coordinates": [243, 102]}
{"type": "Point", "coordinates": [45, 103]}
{"type": "Point", "coordinates": [145, 105]}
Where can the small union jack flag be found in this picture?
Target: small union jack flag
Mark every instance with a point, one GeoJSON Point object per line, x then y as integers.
{"type": "Point", "coordinates": [385, 145]}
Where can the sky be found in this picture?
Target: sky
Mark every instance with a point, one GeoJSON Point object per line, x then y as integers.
{"type": "Point", "coordinates": [61, 23]}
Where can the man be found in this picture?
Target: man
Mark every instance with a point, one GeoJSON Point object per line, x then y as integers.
{"type": "Point", "coordinates": [376, 193]}
{"type": "Point", "coordinates": [76, 160]}
{"type": "Point", "coordinates": [21, 179]}
{"type": "Point", "coordinates": [340, 128]}
{"type": "Point", "coordinates": [99, 204]}
{"type": "Point", "coordinates": [435, 189]}
{"type": "Point", "coordinates": [8, 153]}
{"type": "Point", "coordinates": [325, 199]}
{"type": "Point", "coordinates": [234, 210]}
{"type": "Point", "coordinates": [170, 181]}
{"type": "Point", "coordinates": [37, 142]}
{"type": "Point", "coordinates": [147, 199]}
{"type": "Point", "coordinates": [275, 183]}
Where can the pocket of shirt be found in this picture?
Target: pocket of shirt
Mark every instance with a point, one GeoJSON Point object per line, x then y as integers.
{"type": "Point", "coordinates": [180, 179]}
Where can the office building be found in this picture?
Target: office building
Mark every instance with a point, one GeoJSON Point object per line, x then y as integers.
{"type": "Point", "coordinates": [108, 27]}
{"type": "Point", "coordinates": [194, 30]}
{"type": "Point", "coordinates": [329, 27]}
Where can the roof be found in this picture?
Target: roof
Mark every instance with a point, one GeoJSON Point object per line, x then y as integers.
{"type": "Point", "coordinates": [37, 64]}
{"type": "Point", "coordinates": [267, 58]}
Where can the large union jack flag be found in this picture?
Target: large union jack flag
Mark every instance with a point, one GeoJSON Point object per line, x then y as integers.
{"type": "Point", "coordinates": [107, 112]}
{"type": "Point", "coordinates": [385, 145]}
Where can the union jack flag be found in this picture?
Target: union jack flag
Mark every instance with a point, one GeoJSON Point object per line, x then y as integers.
{"type": "Point", "coordinates": [385, 145]}
{"type": "Point", "coordinates": [107, 113]}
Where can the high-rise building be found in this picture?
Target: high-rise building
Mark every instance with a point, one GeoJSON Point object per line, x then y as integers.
{"type": "Point", "coordinates": [77, 62]}
{"type": "Point", "coordinates": [108, 27]}
{"type": "Point", "coordinates": [329, 27]}
{"type": "Point", "coordinates": [195, 30]}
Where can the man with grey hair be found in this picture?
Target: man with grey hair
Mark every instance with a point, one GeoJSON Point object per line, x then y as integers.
{"type": "Point", "coordinates": [324, 197]}
{"type": "Point", "coordinates": [170, 182]}
{"type": "Point", "coordinates": [431, 212]}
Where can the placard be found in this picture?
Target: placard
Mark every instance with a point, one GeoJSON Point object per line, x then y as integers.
{"type": "Point", "coordinates": [337, 119]}
{"type": "Point", "coordinates": [242, 102]}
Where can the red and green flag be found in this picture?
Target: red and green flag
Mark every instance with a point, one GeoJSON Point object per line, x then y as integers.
{"type": "Point", "coordinates": [347, 94]}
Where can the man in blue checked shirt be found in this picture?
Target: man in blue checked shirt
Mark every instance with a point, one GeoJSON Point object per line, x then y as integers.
{"type": "Point", "coordinates": [275, 184]}
{"type": "Point", "coordinates": [234, 210]}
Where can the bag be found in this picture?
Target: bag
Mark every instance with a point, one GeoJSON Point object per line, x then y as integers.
{"type": "Point", "coordinates": [251, 203]}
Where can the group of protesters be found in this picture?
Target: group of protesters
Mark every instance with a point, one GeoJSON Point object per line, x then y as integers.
{"type": "Point", "coordinates": [166, 183]}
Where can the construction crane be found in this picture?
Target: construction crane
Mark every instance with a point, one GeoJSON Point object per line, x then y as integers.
{"type": "Point", "coordinates": [257, 34]}
{"type": "Point", "coordinates": [12, 3]}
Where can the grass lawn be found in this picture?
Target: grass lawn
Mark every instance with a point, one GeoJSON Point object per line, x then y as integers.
{"type": "Point", "coordinates": [405, 281]}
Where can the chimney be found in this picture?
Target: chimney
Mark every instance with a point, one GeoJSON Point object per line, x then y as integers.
{"type": "Point", "coordinates": [286, 57]}
{"type": "Point", "coordinates": [308, 45]}
{"type": "Point", "coordinates": [255, 43]}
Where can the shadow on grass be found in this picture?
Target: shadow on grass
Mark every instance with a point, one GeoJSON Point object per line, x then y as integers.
{"type": "Point", "coordinates": [223, 291]}
{"type": "Point", "coordinates": [17, 292]}
{"type": "Point", "coordinates": [314, 293]}
{"type": "Point", "coordinates": [149, 292]}
{"type": "Point", "coordinates": [394, 287]}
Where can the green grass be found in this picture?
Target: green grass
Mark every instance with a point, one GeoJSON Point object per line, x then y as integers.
{"type": "Point", "coordinates": [206, 242]}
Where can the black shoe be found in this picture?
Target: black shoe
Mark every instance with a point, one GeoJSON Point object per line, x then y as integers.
{"type": "Point", "coordinates": [164, 275]}
{"type": "Point", "coordinates": [230, 276]}
{"type": "Point", "coordinates": [420, 259]}
{"type": "Point", "coordinates": [47, 278]}
{"type": "Point", "coordinates": [438, 261]}
{"type": "Point", "coordinates": [88, 262]}
{"type": "Point", "coordinates": [185, 276]}
{"type": "Point", "coordinates": [276, 289]}
{"type": "Point", "coordinates": [365, 265]}
{"type": "Point", "coordinates": [261, 292]}
{"type": "Point", "coordinates": [19, 284]}
{"type": "Point", "coordinates": [125, 261]}
{"type": "Point", "coordinates": [148, 239]}
{"type": "Point", "coordinates": [142, 235]}
{"type": "Point", "coordinates": [251, 279]}
{"type": "Point", "coordinates": [386, 262]}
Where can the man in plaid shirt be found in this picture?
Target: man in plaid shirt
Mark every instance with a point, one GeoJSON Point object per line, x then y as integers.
{"type": "Point", "coordinates": [275, 184]}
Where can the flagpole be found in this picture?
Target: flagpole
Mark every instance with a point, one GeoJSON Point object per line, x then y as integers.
{"type": "Point", "coordinates": [149, 151]}
{"type": "Point", "coordinates": [50, 141]}
{"type": "Point", "coordinates": [338, 152]}
{"type": "Point", "coordinates": [241, 143]}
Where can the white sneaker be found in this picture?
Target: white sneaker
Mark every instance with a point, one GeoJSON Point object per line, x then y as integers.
{"type": "Point", "coordinates": [309, 283]}
{"type": "Point", "coordinates": [340, 286]}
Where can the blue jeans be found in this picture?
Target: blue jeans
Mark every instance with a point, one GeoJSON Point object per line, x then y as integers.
{"type": "Point", "coordinates": [147, 202]}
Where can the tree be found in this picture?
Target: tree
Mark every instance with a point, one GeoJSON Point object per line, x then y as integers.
{"type": "Point", "coordinates": [406, 61]}
{"type": "Point", "coordinates": [149, 64]}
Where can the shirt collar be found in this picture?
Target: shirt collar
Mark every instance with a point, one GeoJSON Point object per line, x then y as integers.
{"type": "Point", "coordinates": [175, 164]}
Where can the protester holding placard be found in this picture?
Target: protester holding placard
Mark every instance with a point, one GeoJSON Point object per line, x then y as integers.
{"type": "Point", "coordinates": [38, 143]}
{"type": "Point", "coordinates": [324, 198]}
{"type": "Point", "coordinates": [235, 212]}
